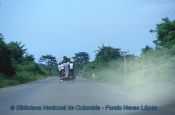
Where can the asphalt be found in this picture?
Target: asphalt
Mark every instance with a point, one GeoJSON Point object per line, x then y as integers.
{"type": "Point", "coordinates": [66, 99]}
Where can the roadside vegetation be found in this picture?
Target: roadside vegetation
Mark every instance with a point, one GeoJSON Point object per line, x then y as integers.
{"type": "Point", "coordinates": [153, 68]}
{"type": "Point", "coordinates": [17, 66]}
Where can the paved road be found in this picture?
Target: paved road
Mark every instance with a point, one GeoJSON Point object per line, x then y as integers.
{"type": "Point", "coordinates": [81, 92]}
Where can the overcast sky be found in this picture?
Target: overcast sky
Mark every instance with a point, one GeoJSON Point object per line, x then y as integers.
{"type": "Point", "coordinates": [65, 27]}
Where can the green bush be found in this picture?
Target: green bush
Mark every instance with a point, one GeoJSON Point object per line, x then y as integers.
{"type": "Point", "coordinates": [5, 81]}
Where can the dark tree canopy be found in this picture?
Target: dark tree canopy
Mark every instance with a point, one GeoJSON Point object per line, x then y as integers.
{"type": "Point", "coordinates": [107, 53]}
{"type": "Point", "coordinates": [165, 32]}
{"type": "Point", "coordinates": [81, 59]}
{"type": "Point", "coordinates": [66, 59]}
{"type": "Point", "coordinates": [17, 51]}
{"type": "Point", "coordinates": [5, 58]}
{"type": "Point", "coordinates": [49, 60]}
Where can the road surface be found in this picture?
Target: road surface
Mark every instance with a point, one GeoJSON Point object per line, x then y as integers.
{"type": "Point", "coordinates": [49, 93]}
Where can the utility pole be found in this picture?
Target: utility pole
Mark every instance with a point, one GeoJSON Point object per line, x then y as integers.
{"type": "Point", "coordinates": [124, 58]}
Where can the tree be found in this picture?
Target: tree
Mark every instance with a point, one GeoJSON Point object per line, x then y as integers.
{"type": "Point", "coordinates": [50, 63]}
{"type": "Point", "coordinates": [81, 59]}
{"type": "Point", "coordinates": [66, 59]}
{"type": "Point", "coordinates": [49, 60]}
{"type": "Point", "coordinates": [107, 53]}
{"type": "Point", "coordinates": [5, 58]}
{"type": "Point", "coordinates": [17, 51]}
{"type": "Point", "coordinates": [165, 32]}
